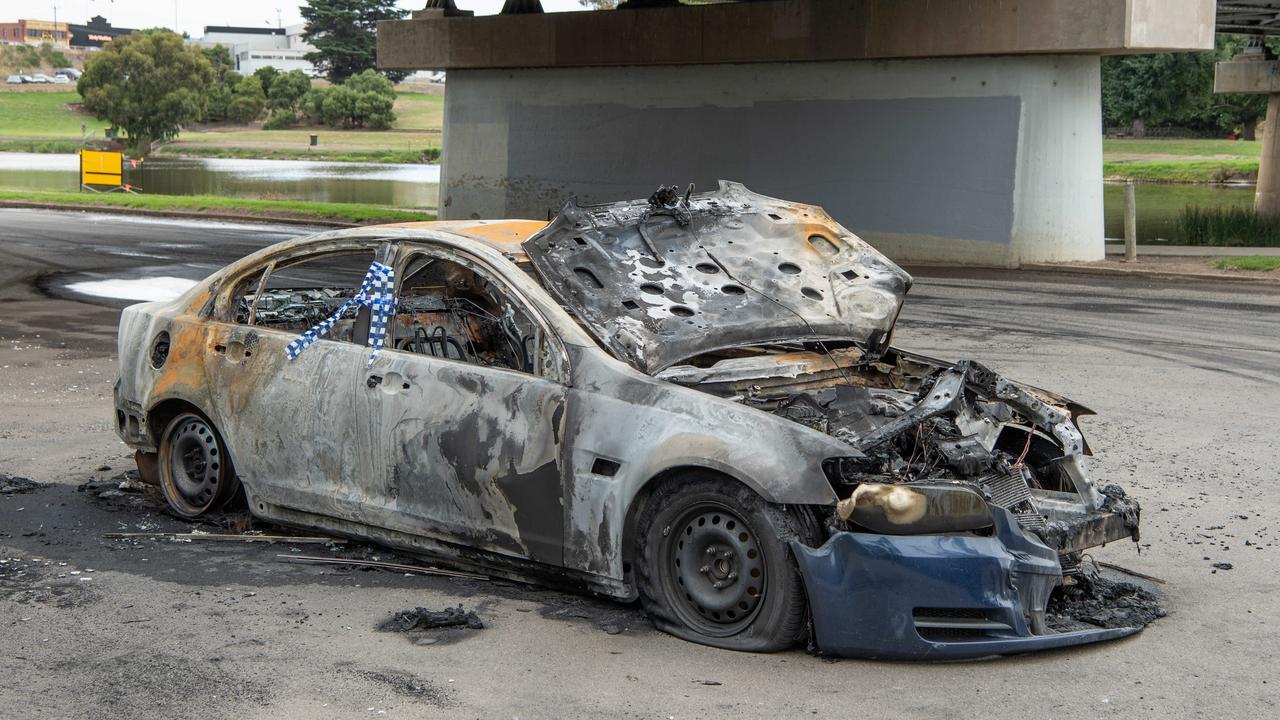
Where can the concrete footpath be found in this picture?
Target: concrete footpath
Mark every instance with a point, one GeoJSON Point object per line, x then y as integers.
{"type": "Point", "coordinates": [1114, 248]}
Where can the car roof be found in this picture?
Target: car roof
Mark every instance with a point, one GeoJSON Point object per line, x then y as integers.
{"type": "Point", "coordinates": [505, 236]}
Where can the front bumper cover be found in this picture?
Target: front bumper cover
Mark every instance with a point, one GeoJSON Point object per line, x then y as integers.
{"type": "Point", "coordinates": [935, 597]}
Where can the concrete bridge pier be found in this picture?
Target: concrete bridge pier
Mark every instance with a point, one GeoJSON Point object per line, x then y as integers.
{"type": "Point", "coordinates": [1252, 72]}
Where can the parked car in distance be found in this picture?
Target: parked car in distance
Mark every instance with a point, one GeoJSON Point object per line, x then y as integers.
{"type": "Point", "coordinates": [60, 80]}
{"type": "Point", "coordinates": [40, 78]}
{"type": "Point", "coordinates": [15, 80]}
{"type": "Point", "coordinates": [72, 73]}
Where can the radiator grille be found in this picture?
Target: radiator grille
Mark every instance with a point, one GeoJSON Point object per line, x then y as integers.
{"type": "Point", "coordinates": [1009, 489]}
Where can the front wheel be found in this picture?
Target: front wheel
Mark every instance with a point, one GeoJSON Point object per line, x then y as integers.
{"type": "Point", "coordinates": [195, 470]}
{"type": "Point", "coordinates": [714, 566]}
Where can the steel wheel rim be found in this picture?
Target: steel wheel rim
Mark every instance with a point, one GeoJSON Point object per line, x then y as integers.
{"type": "Point", "coordinates": [194, 463]}
{"type": "Point", "coordinates": [718, 574]}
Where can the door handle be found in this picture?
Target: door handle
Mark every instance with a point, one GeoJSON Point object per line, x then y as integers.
{"type": "Point", "coordinates": [374, 381]}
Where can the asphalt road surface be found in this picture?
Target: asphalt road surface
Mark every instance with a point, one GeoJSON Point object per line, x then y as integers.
{"type": "Point", "coordinates": [1184, 377]}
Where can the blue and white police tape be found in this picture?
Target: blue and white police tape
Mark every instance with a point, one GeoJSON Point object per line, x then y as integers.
{"type": "Point", "coordinates": [378, 292]}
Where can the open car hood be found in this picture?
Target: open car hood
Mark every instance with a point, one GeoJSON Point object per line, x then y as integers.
{"type": "Point", "coordinates": [664, 280]}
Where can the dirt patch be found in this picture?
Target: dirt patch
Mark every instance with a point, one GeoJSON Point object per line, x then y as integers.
{"type": "Point", "coordinates": [409, 685]}
{"type": "Point", "coordinates": [612, 618]}
{"type": "Point", "coordinates": [151, 684]}
{"type": "Point", "coordinates": [1103, 603]}
{"type": "Point", "coordinates": [35, 581]}
{"type": "Point", "coordinates": [124, 491]}
{"type": "Point", "coordinates": [1170, 267]}
{"type": "Point", "coordinates": [15, 485]}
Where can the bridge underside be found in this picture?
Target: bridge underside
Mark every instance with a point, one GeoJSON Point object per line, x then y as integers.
{"type": "Point", "coordinates": [964, 131]}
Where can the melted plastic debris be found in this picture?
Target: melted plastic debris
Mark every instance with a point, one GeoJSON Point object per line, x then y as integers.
{"type": "Point", "coordinates": [423, 619]}
{"type": "Point", "coordinates": [1099, 602]}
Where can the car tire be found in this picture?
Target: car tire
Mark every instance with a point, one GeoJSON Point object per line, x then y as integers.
{"type": "Point", "coordinates": [196, 475]}
{"type": "Point", "coordinates": [714, 565]}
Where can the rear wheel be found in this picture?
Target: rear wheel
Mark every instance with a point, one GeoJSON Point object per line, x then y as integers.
{"type": "Point", "coordinates": [714, 566]}
{"type": "Point", "coordinates": [195, 470]}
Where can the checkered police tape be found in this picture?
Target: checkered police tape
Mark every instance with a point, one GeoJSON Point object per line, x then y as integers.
{"type": "Point", "coordinates": [378, 292]}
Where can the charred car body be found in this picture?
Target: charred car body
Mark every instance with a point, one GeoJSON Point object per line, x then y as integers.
{"type": "Point", "coordinates": [691, 400]}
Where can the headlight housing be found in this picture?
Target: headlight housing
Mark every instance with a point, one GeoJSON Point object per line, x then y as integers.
{"type": "Point", "coordinates": [916, 509]}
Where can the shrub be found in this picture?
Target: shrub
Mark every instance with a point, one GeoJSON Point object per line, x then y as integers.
{"type": "Point", "coordinates": [247, 100]}
{"type": "Point", "coordinates": [1228, 227]}
{"type": "Point", "coordinates": [220, 95]}
{"type": "Point", "coordinates": [365, 100]}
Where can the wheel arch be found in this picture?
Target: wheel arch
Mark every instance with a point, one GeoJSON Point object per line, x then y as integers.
{"type": "Point", "coordinates": [646, 490]}
{"type": "Point", "coordinates": [162, 413]}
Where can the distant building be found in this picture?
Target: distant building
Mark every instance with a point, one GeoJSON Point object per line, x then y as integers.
{"type": "Point", "coordinates": [35, 32]}
{"type": "Point", "coordinates": [95, 33]}
{"type": "Point", "coordinates": [253, 48]}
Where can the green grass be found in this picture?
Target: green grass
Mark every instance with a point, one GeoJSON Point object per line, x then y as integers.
{"type": "Point", "coordinates": [426, 155]}
{"type": "Point", "coordinates": [1181, 170]}
{"type": "Point", "coordinates": [218, 205]}
{"type": "Point", "coordinates": [1249, 262]}
{"type": "Point", "coordinates": [41, 122]}
{"type": "Point", "coordinates": [38, 145]}
{"type": "Point", "coordinates": [1228, 227]}
{"type": "Point", "coordinates": [42, 115]}
{"type": "Point", "coordinates": [1197, 148]}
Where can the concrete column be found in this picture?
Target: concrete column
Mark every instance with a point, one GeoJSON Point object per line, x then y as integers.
{"type": "Point", "coordinates": [1267, 201]}
{"type": "Point", "coordinates": [991, 161]}
{"type": "Point", "coordinates": [1253, 73]}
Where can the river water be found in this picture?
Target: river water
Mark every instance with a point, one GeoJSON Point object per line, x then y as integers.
{"type": "Point", "coordinates": [418, 186]}
{"type": "Point", "coordinates": [409, 186]}
{"type": "Point", "coordinates": [1160, 205]}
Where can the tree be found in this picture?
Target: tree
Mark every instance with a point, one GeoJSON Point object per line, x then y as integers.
{"type": "Point", "coordinates": [221, 92]}
{"type": "Point", "coordinates": [1154, 89]}
{"type": "Point", "coordinates": [149, 83]}
{"type": "Point", "coordinates": [266, 75]}
{"type": "Point", "coordinates": [247, 100]}
{"type": "Point", "coordinates": [285, 98]}
{"type": "Point", "coordinates": [343, 33]}
{"type": "Point", "coordinates": [220, 58]}
{"type": "Point", "coordinates": [53, 58]}
{"type": "Point", "coordinates": [365, 100]}
{"type": "Point", "coordinates": [1177, 89]}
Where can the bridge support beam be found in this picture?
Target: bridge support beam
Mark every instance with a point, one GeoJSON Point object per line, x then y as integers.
{"type": "Point", "coordinates": [1253, 73]}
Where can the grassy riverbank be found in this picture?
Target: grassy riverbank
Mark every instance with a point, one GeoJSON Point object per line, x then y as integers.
{"type": "Point", "coordinates": [1265, 263]}
{"type": "Point", "coordinates": [355, 213]}
{"type": "Point", "coordinates": [1228, 227]}
{"type": "Point", "coordinates": [1181, 171]}
{"type": "Point", "coordinates": [49, 122]}
{"type": "Point", "coordinates": [1180, 161]}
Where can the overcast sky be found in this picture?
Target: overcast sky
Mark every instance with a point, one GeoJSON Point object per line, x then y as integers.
{"type": "Point", "coordinates": [194, 15]}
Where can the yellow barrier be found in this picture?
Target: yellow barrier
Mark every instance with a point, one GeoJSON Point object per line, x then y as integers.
{"type": "Point", "coordinates": [98, 167]}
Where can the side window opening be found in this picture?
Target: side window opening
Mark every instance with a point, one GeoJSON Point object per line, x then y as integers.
{"type": "Point", "coordinates": [298, 294]}
{"type": "Point", "coordinates": [447, 310]}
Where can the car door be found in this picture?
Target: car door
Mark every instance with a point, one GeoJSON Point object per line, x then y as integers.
{"type": "Point", "coordinates": [469, 411]}
{"type": "Point", "coordinates": [297, 429]}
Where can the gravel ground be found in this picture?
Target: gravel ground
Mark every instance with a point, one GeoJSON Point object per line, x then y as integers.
{"type": "Point", "coordinates": [1184, 378]}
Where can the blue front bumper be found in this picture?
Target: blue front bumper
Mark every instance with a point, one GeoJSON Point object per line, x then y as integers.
{"type": "Point", "coordinates": [935, 597]}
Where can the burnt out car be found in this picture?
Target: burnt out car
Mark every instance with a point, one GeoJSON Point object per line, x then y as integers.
{"type": "Point", "coordinates": [692, 401]}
